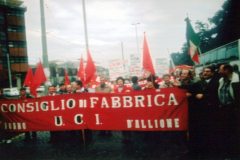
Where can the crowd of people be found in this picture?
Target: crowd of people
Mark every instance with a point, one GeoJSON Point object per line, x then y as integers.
{"type": "Point", "coordinates": [213, 104]}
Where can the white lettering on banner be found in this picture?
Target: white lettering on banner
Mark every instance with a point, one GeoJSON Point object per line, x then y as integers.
{"type": "Point", "coordinates": [12, 108]}
{"type": "Point", "coordinates": [169, 123]}
{"type": "Point", "coordinates": [21, 107]}
{"type": "Point", "coordinates": [172, 99]}
{"type": "Point", "coordinates": [93, 102]}
{"type": "Point", "coordinates": [148, 124]}
{"type": "Point", "coordinates": [58, 120]}
{"type": "Point", "coordinates": [143, 125]}
{"type": "Point", "coordinates": [30, 105]}
{"type": "Point", "coordinates": [155, 99]}
{"type": "Point", "coordinates": [129, 123]}
{"type": "Point", "coordinates": [156, 125]}
{"type": "Point", "coordinates": [176, 120]}
{"type": "Point", "coordinates": [139, 99]}
{"type": "Point", "coordinates": [44, 106]}
{"type": "Point", "coordinates": [149, 101]}
{"type": "Point", "coordinates": [78, 118]}
{"type": "Point", "coordinates": [127, 99]}
{"type": "Point", "coordinates": [162, 124]}
{"type": "Point", "coordinates": [37, 106]}
{"type": "Point", "coordinates": [15, 125]}
{"type": "Point", "coordinates": [116, 102]}
{"type": "Point", "coordinates": [2, 108]}
{"type": "Point", "coordinates": [123, 101]}
{"type": "Point", "coordinates": [71, 103]}
{"type": "Point", "coordinates": [137, 125]}
{"type": "Point", "coordinates": [63, 104]}
{"type": "Point", "coordinates": [82, 103]}
{"type": "Point", "coordinates": [104, 103]}
{"type": "Point", "coordinates": [97, 119]}
{"type": "Point", "coordinates": [52, 106]}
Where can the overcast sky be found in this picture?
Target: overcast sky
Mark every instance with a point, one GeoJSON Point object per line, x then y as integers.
{"type": "Point", "coordinates": [109, 22]}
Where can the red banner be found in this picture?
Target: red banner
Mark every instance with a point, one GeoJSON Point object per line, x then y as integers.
{"type": "Point", "coordinates": [160, 109]}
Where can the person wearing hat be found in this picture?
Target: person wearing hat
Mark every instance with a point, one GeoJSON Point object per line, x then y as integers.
{"type": "Point", "coordinates": [62, 89]}
{"type": "Point", "coordinates": [24, 95]}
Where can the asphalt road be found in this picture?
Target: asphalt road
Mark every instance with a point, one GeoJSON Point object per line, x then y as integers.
{"type": "Point", "coordinates": [103, 147]}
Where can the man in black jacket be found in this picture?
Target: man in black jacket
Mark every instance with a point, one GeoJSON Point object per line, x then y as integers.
{"type": "Point", "coordinates": [62, 89]}
{"type": "Point", "coordinates": [206, 106]}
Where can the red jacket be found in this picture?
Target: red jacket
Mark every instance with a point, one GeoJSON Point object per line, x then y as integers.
{"type": "Point", "coordinates": [124, 89]}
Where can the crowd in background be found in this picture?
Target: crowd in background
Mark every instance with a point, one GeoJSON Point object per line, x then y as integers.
{"type": "Point", "coordinates": [213, 99]}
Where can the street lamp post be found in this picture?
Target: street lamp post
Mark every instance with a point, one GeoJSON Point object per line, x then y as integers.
{"type": "Point", "coordinates": [136, 34]}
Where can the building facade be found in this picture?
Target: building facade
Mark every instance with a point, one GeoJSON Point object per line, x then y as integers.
{"type": "Point", "coordinates": [13, 42]}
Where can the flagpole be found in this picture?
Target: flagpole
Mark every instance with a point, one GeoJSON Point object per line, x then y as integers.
{"type": "Point", "coordinates": [201, 56]}
{"type": "Point", "coordinates": [86, 39]}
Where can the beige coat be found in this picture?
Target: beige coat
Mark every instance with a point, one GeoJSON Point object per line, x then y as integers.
{"type": "Point", "coordinates": [166, 86]}
{"type": "Point", "coordinates": [106, 89]}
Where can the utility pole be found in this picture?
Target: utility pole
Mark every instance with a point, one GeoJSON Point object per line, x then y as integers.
{"type": "Point", "coordinates": [136, 34]}
{"type": "Point", "coordinates": [85, 25]}
{"type": "Point", "coordinates": [9, 71]}
{"type": "Point", "coordinates": [122, 50]}
{"type": "Point", "coordinates": [44, 45]}
{"type": "Point", "coordinates": [44, 39]}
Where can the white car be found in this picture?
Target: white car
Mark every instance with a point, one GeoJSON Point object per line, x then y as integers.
{"type": "Point", "coordinates": [41, 89]}
{"type": "Point", "coordinates": [11, 92]}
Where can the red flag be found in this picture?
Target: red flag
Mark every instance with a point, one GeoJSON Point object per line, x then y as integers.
{"type": "Point", "coordinates": [90, 68]}
{"type": "Point", "coordinates": [66, 78]}
{"type": "Point", "coordinates": [81, 71]}
{"type": "Point", "coordinates": [147, 61]}
{"type": "Point", "coordinates": [29, 78]}
{"type": "Point", "coordinates": [94, 81]}
{"type": "Point", "coordinates": [38, 79]}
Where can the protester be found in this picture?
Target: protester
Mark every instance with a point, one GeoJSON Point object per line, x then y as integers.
{"type": "Point", "coordinates": [201, 76]}
{"type": "Point", "coordinates": [235, 68]}
{"type": "Point", "coordinates": [2, 96]}
{"type": "Point", "coordinates": [207, 108]}
{"type": "Point", "coordinates": [220, 71]}
{"type": "Point", "coordinates": [149, 86]}
{"type": "Point", "coordinates": [6, 136]}
{"type": "Point", "coordinates": [62, 89]}
{"type": "Point", "coordinates": [24, 95]}
{"type": "Point", "coordinates": [55, 89]}
{"type": "Point", "coordinates": [152, 79]}
{"type": "Point", "coordinates": [167, 83]}
{"type": "Point", "coordinates": [79, 89]}
{"type": "Point", "coordinates": [186, 78]}
{"type": "Point", "coordinates": [176, 137]}
{"type": "Point", "coordinates": [103, 87]}
{"type": "Point", "coordinates": [69, 89]}
{"type": "Point", "coordinates": [54, 135]}
{"type": "Point", "coordinates": [120, 89]}
{"type": "Point", "coordinates": [135, 85]}
{"type": "Point", "coordinates": [229, 93]}
{"type": "Point", "coordinates": [177, 75]}
{"type": "Point", "coordinates": [193, 75]}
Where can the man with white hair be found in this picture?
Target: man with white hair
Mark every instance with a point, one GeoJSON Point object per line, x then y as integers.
{"type": "Point", "coordinates": [104, 88]}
